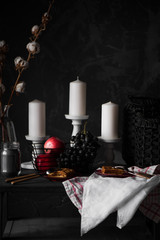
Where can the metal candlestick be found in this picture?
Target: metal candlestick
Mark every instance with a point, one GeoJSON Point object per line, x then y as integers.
{"type": "Point", "coordinates": [37, 148]}
{"type": "Point", "coordinates": [76, 122]}
{"type": "Point", "coordinates": [109, 149]}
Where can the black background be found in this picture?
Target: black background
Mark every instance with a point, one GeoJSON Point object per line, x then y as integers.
{"type": "Point", "coordinates": [112, 45]}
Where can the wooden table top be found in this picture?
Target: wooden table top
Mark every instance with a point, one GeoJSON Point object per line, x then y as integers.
{"type": "Point", "coordinates": [38, 184]}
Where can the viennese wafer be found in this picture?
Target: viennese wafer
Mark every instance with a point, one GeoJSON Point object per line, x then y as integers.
{"type": "Point", "coordinates": [112, 170]}
{"type": "Point", "coordinates": [62, 173]}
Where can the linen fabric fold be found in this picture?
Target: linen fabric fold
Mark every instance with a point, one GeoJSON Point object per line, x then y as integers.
{"type": "Point", "coordinates": [97, 197]}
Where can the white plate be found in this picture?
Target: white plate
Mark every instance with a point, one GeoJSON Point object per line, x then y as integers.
{"type": "Point", "coordinates": [27, 165]}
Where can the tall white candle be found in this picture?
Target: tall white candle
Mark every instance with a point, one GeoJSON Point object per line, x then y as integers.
{"type": "Point", "coordinates": [109, 121]}
{"type": "Point", "coordinates": [77, 98]}
{"type": "Point", "coordinates": [37, 119]}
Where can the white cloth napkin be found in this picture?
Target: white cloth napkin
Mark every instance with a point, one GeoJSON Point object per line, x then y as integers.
{"type": "Point", "coordinates": [104, 195]}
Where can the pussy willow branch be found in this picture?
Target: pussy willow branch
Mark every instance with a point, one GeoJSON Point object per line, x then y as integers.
{"type": "Point", "coordinates": [42, 28]}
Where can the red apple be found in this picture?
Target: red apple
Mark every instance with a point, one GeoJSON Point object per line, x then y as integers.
{"type": "Point", "coordinates": [54, 145]}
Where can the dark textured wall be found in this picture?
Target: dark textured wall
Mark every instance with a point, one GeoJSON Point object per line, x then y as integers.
{"type": "Point", "coordinates": [113, 45]}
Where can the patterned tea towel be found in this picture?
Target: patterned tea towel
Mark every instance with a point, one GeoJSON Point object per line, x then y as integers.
{"type": "Point", "coordinates": [150, 207]}
{"type": "Point", "coordinates": [96, 197]}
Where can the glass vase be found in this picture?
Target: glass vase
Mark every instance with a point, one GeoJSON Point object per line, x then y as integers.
{"type": "Point", "coordinates": [10, 156]}
{"type": "Point", "coordinates": [9, 134]}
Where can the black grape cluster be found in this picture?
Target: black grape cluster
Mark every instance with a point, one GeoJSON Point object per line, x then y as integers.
{"type": "Point", "coordinates": [81, 152]}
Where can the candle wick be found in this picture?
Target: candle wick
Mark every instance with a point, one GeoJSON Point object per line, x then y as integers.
{"type": "Point", "coordinates": [77, 77]}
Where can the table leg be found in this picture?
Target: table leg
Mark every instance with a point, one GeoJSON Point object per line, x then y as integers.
{"type": "Point", "coordinates": [154, 228]}
{"type": "Point", "coordinates": [3, 213]}
{"type": "Point", "coordinates": [156, 231]}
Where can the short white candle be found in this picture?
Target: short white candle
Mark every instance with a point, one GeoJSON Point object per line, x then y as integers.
{"type": "Point", "coordinates": [109, 121]}
{"type": "Point", "coordinates": [37, 119]}
{"type": "Point", "coordinates": [77, 98]}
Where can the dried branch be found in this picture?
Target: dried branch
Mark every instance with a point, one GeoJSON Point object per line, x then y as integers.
{"type": "Point", "coordinates": [33, 48]}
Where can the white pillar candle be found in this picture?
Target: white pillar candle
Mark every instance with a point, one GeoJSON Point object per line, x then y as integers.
{"type": "Point", "coordinates": [77, 98]}
{"type": "Point", "coordinates": [109, 121]}
{"type": "Point", "coordinates": [37, 119]}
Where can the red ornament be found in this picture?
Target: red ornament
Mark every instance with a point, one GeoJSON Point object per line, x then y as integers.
{"type": "Point", "coordinates": [54, 145]}
{"type": "Point", "coordinates": [52, 148]}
